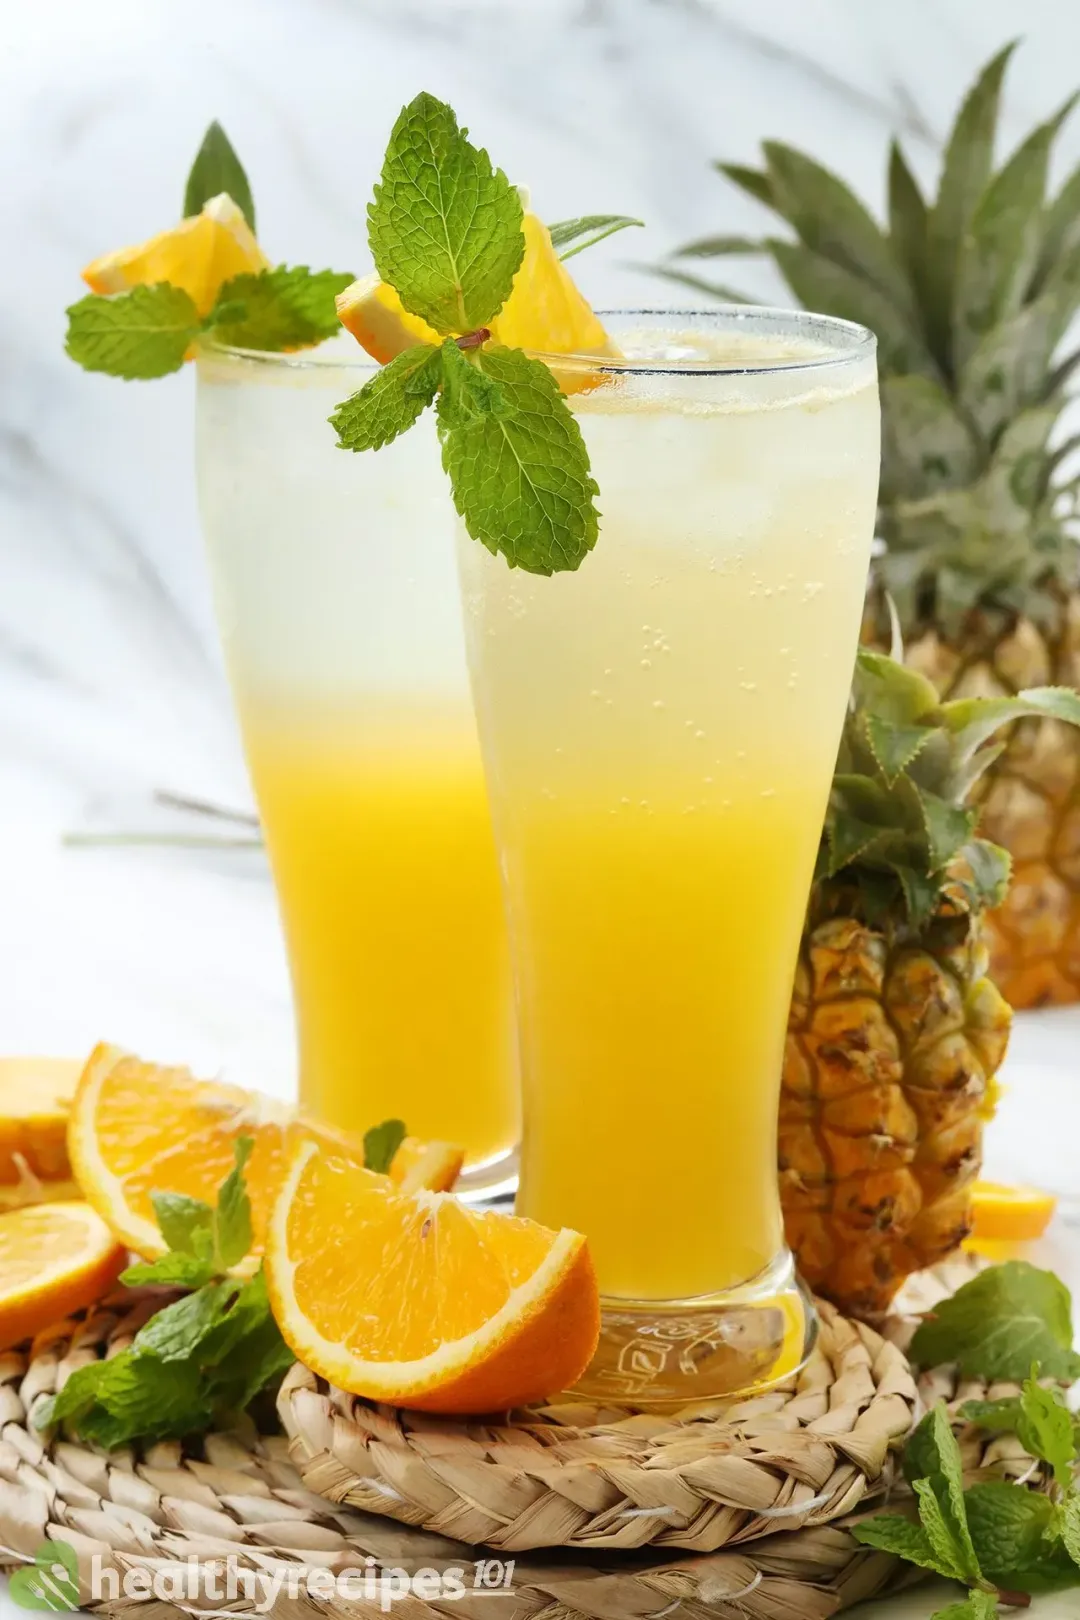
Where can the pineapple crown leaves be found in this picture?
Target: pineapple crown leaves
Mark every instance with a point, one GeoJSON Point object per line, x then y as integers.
{"type": "Point", "coordinates": [898, 826]}
{"type": "Point", "coordinates": [970, 294]}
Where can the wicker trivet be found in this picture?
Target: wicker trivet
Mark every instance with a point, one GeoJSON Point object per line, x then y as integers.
{"type": "Point", "coordinates": [239, 1497]}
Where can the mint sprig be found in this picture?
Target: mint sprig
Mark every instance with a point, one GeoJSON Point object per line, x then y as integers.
{"type": "Point", "coordinates": [999, 1538]}
{"type": "Point", "coordinates": [445, 231]}
{"type": "Point", "coordinates": [216, 169]}
{"type": "Point", "coordinates": [199, 1361]}
{"type": "Point", "coordinates": [148, 331]}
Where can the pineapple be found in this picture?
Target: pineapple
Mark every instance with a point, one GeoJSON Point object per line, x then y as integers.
{"type": "Point", "coordinates": [970, 296]}
{"type": "Point", "coordinates": [896, 1033]}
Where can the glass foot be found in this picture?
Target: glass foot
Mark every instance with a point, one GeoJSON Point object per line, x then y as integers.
{"type": "Point", "coordinates": [677, 1352]}
{"type": "Point", "coordinates": [492, 1181]}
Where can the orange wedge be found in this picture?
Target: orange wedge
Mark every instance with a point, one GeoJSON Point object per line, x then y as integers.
{"type": "Point", "coordinates": [54, 1259]}
{"type": "Point", "coordinates": [417, 1300]}
{"type": "Point", "coordinates": [1005, 1214]}
{"type": "Point", "coordinates": [200, 255]}
{"type": "Point", "coordinates": [435, 1165]}
{"type": "Point", "coordinates": [545, 311]}
{"type": "Point", "coordinates": [138, 1128]}
{"type": "Point", "coordinates": [35, 1098]}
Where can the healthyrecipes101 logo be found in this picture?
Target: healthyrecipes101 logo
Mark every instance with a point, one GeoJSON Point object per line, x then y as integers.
{"type": "Point", "coordinates": [52, 1582]}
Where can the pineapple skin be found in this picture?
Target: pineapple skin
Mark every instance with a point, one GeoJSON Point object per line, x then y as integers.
{"type": "Point", "coordinates": [1029, 799]}
{"type": "Point", "coordinates": [892, 1050]}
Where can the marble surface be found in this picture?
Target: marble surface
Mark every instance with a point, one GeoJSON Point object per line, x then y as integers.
{"type": "Point", "coordinates": [110, 683]}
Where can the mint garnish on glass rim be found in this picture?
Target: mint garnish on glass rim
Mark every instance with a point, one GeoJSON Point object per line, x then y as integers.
{"type": "Point", "coordinates": [445, 232]}
{"type": "Point", "coordinates": [148, 331]}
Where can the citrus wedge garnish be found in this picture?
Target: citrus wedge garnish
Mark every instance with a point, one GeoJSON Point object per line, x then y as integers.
{"type": "Point", "coordinates": [545, 312]}
{"type": "Point", "coordinates": [54, 1259]}
{"type": "Point", "coordinates": [1009, 1214]}
{"type": "Point", "coordinates": [35, 1099]}
{"type": "Point", "coordinates": [199, 255]}
{"type": "Point", "coordinates": [417, 1164]}
{"type": "Point", "coordinates": [415, 1299]}
{"type": "Point", "coordinates": [137, 1128]}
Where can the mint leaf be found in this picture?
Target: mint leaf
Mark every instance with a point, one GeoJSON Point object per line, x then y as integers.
{"type": "Point", "coordinates": [951, 1548]}
{"type": "Point", "coordinates": [1015, 1533]}
{"type": "Point", "coordinates": [1046, 1430]}
{"type": "Point", "coordinates": [390, 401]}
{"type": "Point", "coordinates": [176, 1332]}
{"type": "Point", "coordinates": [135, 335]}
{"type": "Point", "coordinates": [587, 230]}
{"type": "Point", "coordinates": [976, 1606]}
{"type": "Point", "coordinates": [216, 169]}
{"type": "Point", "coordinates": [467, 390]}
{"type": "Point", "coordinates": [933, 1468]}
{"type": "Point", "coordinates": [444, 226]}
{"type": "Point", "coordinates": [521, 478]}
{"type": "Point", "coordinates": [173, 1270]}
{"type": "Point", "coordinates": [182, 1220]}
{"type": "Point", "coordinates": [1000, 1322]}
{"type": "Point", "coordinates": [232, 1218]}
{"type": "Point", "coordinates": [1069, 1528]}
{"type": "Point", "coordinates": [892, 1534]}
{"type": "Point", "coordinates": [381, 1143]}
{"type": "Point", "coordinates": [246, 1351]}
{"type": "Point", "coordinates": [290, 307]}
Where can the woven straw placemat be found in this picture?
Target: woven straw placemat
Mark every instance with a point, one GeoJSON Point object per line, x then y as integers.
{"type": "Point", "coordinates": [235, 1507]}
{"type": "Point", "coordinates": [237, 1501]}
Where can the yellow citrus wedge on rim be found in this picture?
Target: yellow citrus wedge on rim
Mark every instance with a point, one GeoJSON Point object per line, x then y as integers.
{"type": "Point", "coordinates": [35, 1099]}
{"type": "Point", "coordinates": [545, 312]}
{"type": "Point", "coordinates": [54, 1259]}
{"type": "Point", "coordinates": [417, 1300]}
{"type": "Point", "coordinates": [137, 1128]}
{"type": "Point", "coordinates": [1009, 1214]}
{"type": "Point", "coordinates": [200, 255]}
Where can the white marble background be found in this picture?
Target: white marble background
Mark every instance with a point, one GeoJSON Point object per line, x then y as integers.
{"type": "Point", "coordinates": [109, 680]}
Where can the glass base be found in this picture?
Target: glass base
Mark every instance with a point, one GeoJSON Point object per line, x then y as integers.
{"type": "Point", "coordinates": [491, 1181]}
{"type": "Point", "coordinates": [680, 1352]}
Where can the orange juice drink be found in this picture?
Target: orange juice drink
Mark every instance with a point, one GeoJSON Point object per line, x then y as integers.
{"type": "Point", "coordinates": [660, 729]}
{"type": "Point", "coordinates": [336, 594]}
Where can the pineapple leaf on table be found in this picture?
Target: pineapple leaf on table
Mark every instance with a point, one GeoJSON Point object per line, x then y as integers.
{"type": "Point", "coordinates": [896, 1032]}
{"type": "Point", "coordinates": [971, 287]}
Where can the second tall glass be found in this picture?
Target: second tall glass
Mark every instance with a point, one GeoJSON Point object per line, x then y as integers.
{"type": "Point", "coordinates": [337, 599]}
{"type": "Point", "coordinates": [660, 730]}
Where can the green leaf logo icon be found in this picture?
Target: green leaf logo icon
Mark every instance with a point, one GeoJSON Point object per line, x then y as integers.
{"type": "Point", "coordinates": [51, 1582]}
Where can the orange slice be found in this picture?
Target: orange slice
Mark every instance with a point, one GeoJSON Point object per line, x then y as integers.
{"type": "Point", "coordinates": [54, 1259]}
{"type": "Point", "coordinates": [372, 311]}
{"type": "Point", "coordinates": [545, 312]}
{"type": "Point", "coordinates": [35, 1098]}
{"type": "Point", "coordinates": [1004, 1214]}
{"type": "Point", "coordinates": [418, 1300]}
{"type": "Point", "coordinates": [200, 255]}
{"type": "Point", "coordinates": [138, 1128]}
{"type": "Point", "coordinates": [417, 1164]}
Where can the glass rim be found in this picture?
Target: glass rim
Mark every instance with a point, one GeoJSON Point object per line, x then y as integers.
{"type": "Point", "coordinates": [861, 344]}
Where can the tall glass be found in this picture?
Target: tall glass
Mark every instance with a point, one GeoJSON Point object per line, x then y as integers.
{"type": "Point", "coordinates": [659, 732]}
{"type": "Point", "coordinates": [334, 578]}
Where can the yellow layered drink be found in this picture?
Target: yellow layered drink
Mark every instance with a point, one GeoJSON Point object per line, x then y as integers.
{"type": "Point", "coordinates": [660, 729]}
{"type": "Point", "coordinates": [334, 579]}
